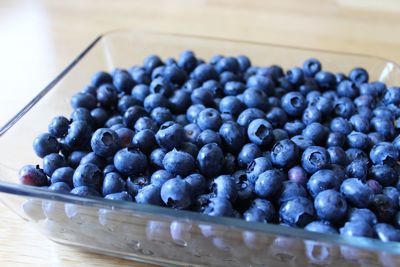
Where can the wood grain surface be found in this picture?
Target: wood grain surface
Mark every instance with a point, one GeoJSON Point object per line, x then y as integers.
{"type": "Point", "coordinates": [38, 38]}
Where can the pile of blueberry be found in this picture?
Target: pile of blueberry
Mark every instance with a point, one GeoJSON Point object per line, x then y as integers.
{"type": "Point", "coordinates": [304, 148]}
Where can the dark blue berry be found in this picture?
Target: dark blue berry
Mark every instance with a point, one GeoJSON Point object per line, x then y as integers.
{"type": "Point", "coordinates": [53, 161]}
{"type": "Point", "coordinates": [210, 160]}
{"type": "Point", "coordinates": [314, 158]}
{"type": "Point", "coordinates": [356, 192]}
{"type": "Point", "coordinates": [260, 132]}
{"type": "Point", "coordinates": [293, 103]}
{"type": "Point", "coordinates": [322, 180]}
{"type": "Point", "coordinates": [130, 161]}
{"type": "Point", "coordinates": [45, 144]}
{"type": "Point", "coordinates": [297, 212]}
{"type": "Point", "coordinates": [87, 175]}
{"type": "Point", "coordinates": [100, 78]}
{"type": "Point", "coordinates": [176, 193]}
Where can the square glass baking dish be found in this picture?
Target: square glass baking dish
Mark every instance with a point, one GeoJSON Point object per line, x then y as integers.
{"type": "Point", "coordinates": [162, 235]}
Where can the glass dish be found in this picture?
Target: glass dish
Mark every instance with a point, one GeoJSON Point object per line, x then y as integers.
{"type": "Point", "coordinates": [162, 235]}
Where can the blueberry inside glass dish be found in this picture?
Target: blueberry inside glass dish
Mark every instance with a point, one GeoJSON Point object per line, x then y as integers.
{"type": "Point", "coordinates": [169, 149]}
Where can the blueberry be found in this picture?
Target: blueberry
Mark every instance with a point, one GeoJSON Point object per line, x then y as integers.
{"type": "Point", "coordinates": [284, 153]}
{"type": "Point", "coordinates": [392, 96]}
{"type": "Point", "coordinates": [297, 212]}
{"type": "Point", "coordinates": [357, 169]}
{"type": "Point", "coordinates": [311, 115]}
{"type": "Point", "coordinates": [347, 89]}
{"type": "Point", "coordinates": [393, 194]}
{"type": "Point", "coordinates": [202, 96]}
{"type": "Point", "coordinates": [276, 116]}
{"type": "Point", "coordinates": [207, 137]}
{"type": "Point", "coordinates": [31, 175]}
{"type": "Point", "coordinates": [60, 187]}
{"type": "Point", "coordinates": [126, 102]}
{"type": "Point", "coordinates": [179, 101]}
{"type": "Point", "coordinates": [140, 76]}
{"type": "Point", "coordinates": [293, 103]}
{"type": "Point", "coordinates": [85, 191]}
{"type": "Point", "coordinates": [58, 126]}
{"type": "Point", "coordinates": [209, 118]}
{"type": "Point", "coordinates": [224, 186]}
{"type": "Point", "coordinates": [87, 175]}
{"type": "Point", "coordinates": [161, 115]}
{"type": "Point", "coordinates": [337, 155]}
{"type": "Point", "coordinates": [93, 158]}
{"type": "Point", "coordinates": [197, 183]}
{"type": "Point", "coordinates": [313, 96]}
{"type": "Point", "coordinates": [255, 215]}
{"type": "Point", "coordinates": [134, 185]}
{"type": "Point", "coordinates": [261, 82]}
{"type": "Point", "coordinates": [205, 72]}
{"type": "Point", "coordinates": [170, 135]}
{"type": "Point", "coordinates": [123, 82]}
{"type": "Point", "coordinates": [290, 190]}
{"type": "Point", "coordinates": [227, 64]}
{"type": "Point", "coordinates": [144, 140]}
{"type": "Point", "coordinates": [325, 80]}
{"type": "Point", "coordinates": [149, 194]}
{"type": "Point", "coordinates": [330, 205]}
{"type": "Point", "coordinates": [360, 123]}
{"type": "Point", "coordinates": [107, 96]}
{"type": "Point", "coordinates": [243, 62]}
{"type": "Point", "coordinates": [320, 227]}
{"type": "Point", "coordinates": [298, 175]}
{"type": "Point", "coordinates": [157, 156]}
{"type": "Point", "coordinates": [344, 107]}
{"type": "Point", "coordinates": [384, 127]}
{"type": "Point", "coordinates": [266, 207]}
{"type": "Point", "coordinates": [294, 127]}
{"type": "Point", "coordinates": [231, 105]}
{"type": "Point", "coordinates": [316, 132]}
{"type": "Point", "coordinates": [45, 144]}
{"type": "Point", "coordinates": [295, 76]}
{"type": "Point", "coordinates": [255, 98]}
{"type": "Point", "coordinates": [233, 136]}
{"type": "Point", "coordinates": [79, 134]}
{"type": "Point", "coordinates": [311, 67]}
{"type": "Point", "coordinates": [260, 132]}
{"type": "Point", "coordinates": [155, 100]}
{"type": "Point", "coordinates": [105, 142]}
{"type": "Point", "coordinates": [129, 161]}
{"type": "Point", "coordinates": [245, 188]}
{"type": "Point", "coordinates": [99, 116]}
{"type": "Point", "coordinates": [364, 215]}
{"type": "Point", "coordinates": [383, 113]}
{"type": "Point", "coordinates": [100, 78]}
{"type": "Point", "coordinates": [210, 160]}
{"type": "Point", "coordinates": [353, 154]}
{"type": "Point", "coordinates": [248, 115]}
{"type": "Point", "coordinates": [75, 158]}
{"type": "Point", "coordinates": [178, 162]}
{"type": "Point", "coordinates": [140, 92]}
{"type": "Point", "coordinates": [218, 206]}
{"type": "Point", "coordinates": [121, 196]}
{"type": "Point", "coordinates": [114, 120]}
{"type": "Point", "coordinates": [175, 75]}
{"type": "Point", "coordinates": [322, 180]}
{"type": "Point", "coordinates": [53, 161]}
{"type": "Point", "coordinates": [248, 153]}
{"type": "Point", "coordinates": [387, 233]}
{"type": "Point", "coordinates": [176, 193]}
{"type": "Point", "coordinates": [384, 174]}
{"type": "Point", "coordinates": [63, 174]}
{"type": "Point", "coordinates": [384, 207]}
{"type": "Point", "coordinates": [151, 62]}
{"type": "Point", "coordinates": [384, 153]}
{"type": "Point", "coordinates": [357, 228]}
{"type": "Point", "coordinates": [187, 61]}
{"type": "Point", "coordinates": [364, 101]}
{"type": "Point", "coordinates": [314, 158]}
{"type": "Point", "coordinates": [112, 183]}
{"type": "Point", "coordinates": [268, 183]}
{"type": "Point", "coordinates": [109, 168]}
{"type": "Point", "coordinates": [341, 125]}
{"type": "Point", "coordinates": [258, 166]}
{"type": "Point", "coordinates": [356, 192]}
{"type": "Point", "coordinates": [358, 76]}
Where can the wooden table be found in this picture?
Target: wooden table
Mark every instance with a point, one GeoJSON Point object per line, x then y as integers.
{"type": "Point", "coordinates": [38, 38]}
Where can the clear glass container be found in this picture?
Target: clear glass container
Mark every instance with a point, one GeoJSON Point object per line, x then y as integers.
{"type": "Point", "coordinates": [161, 235]}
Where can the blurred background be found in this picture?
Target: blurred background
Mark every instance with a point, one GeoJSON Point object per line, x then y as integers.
{"type": "Point", "coordinates": [39, 38]}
